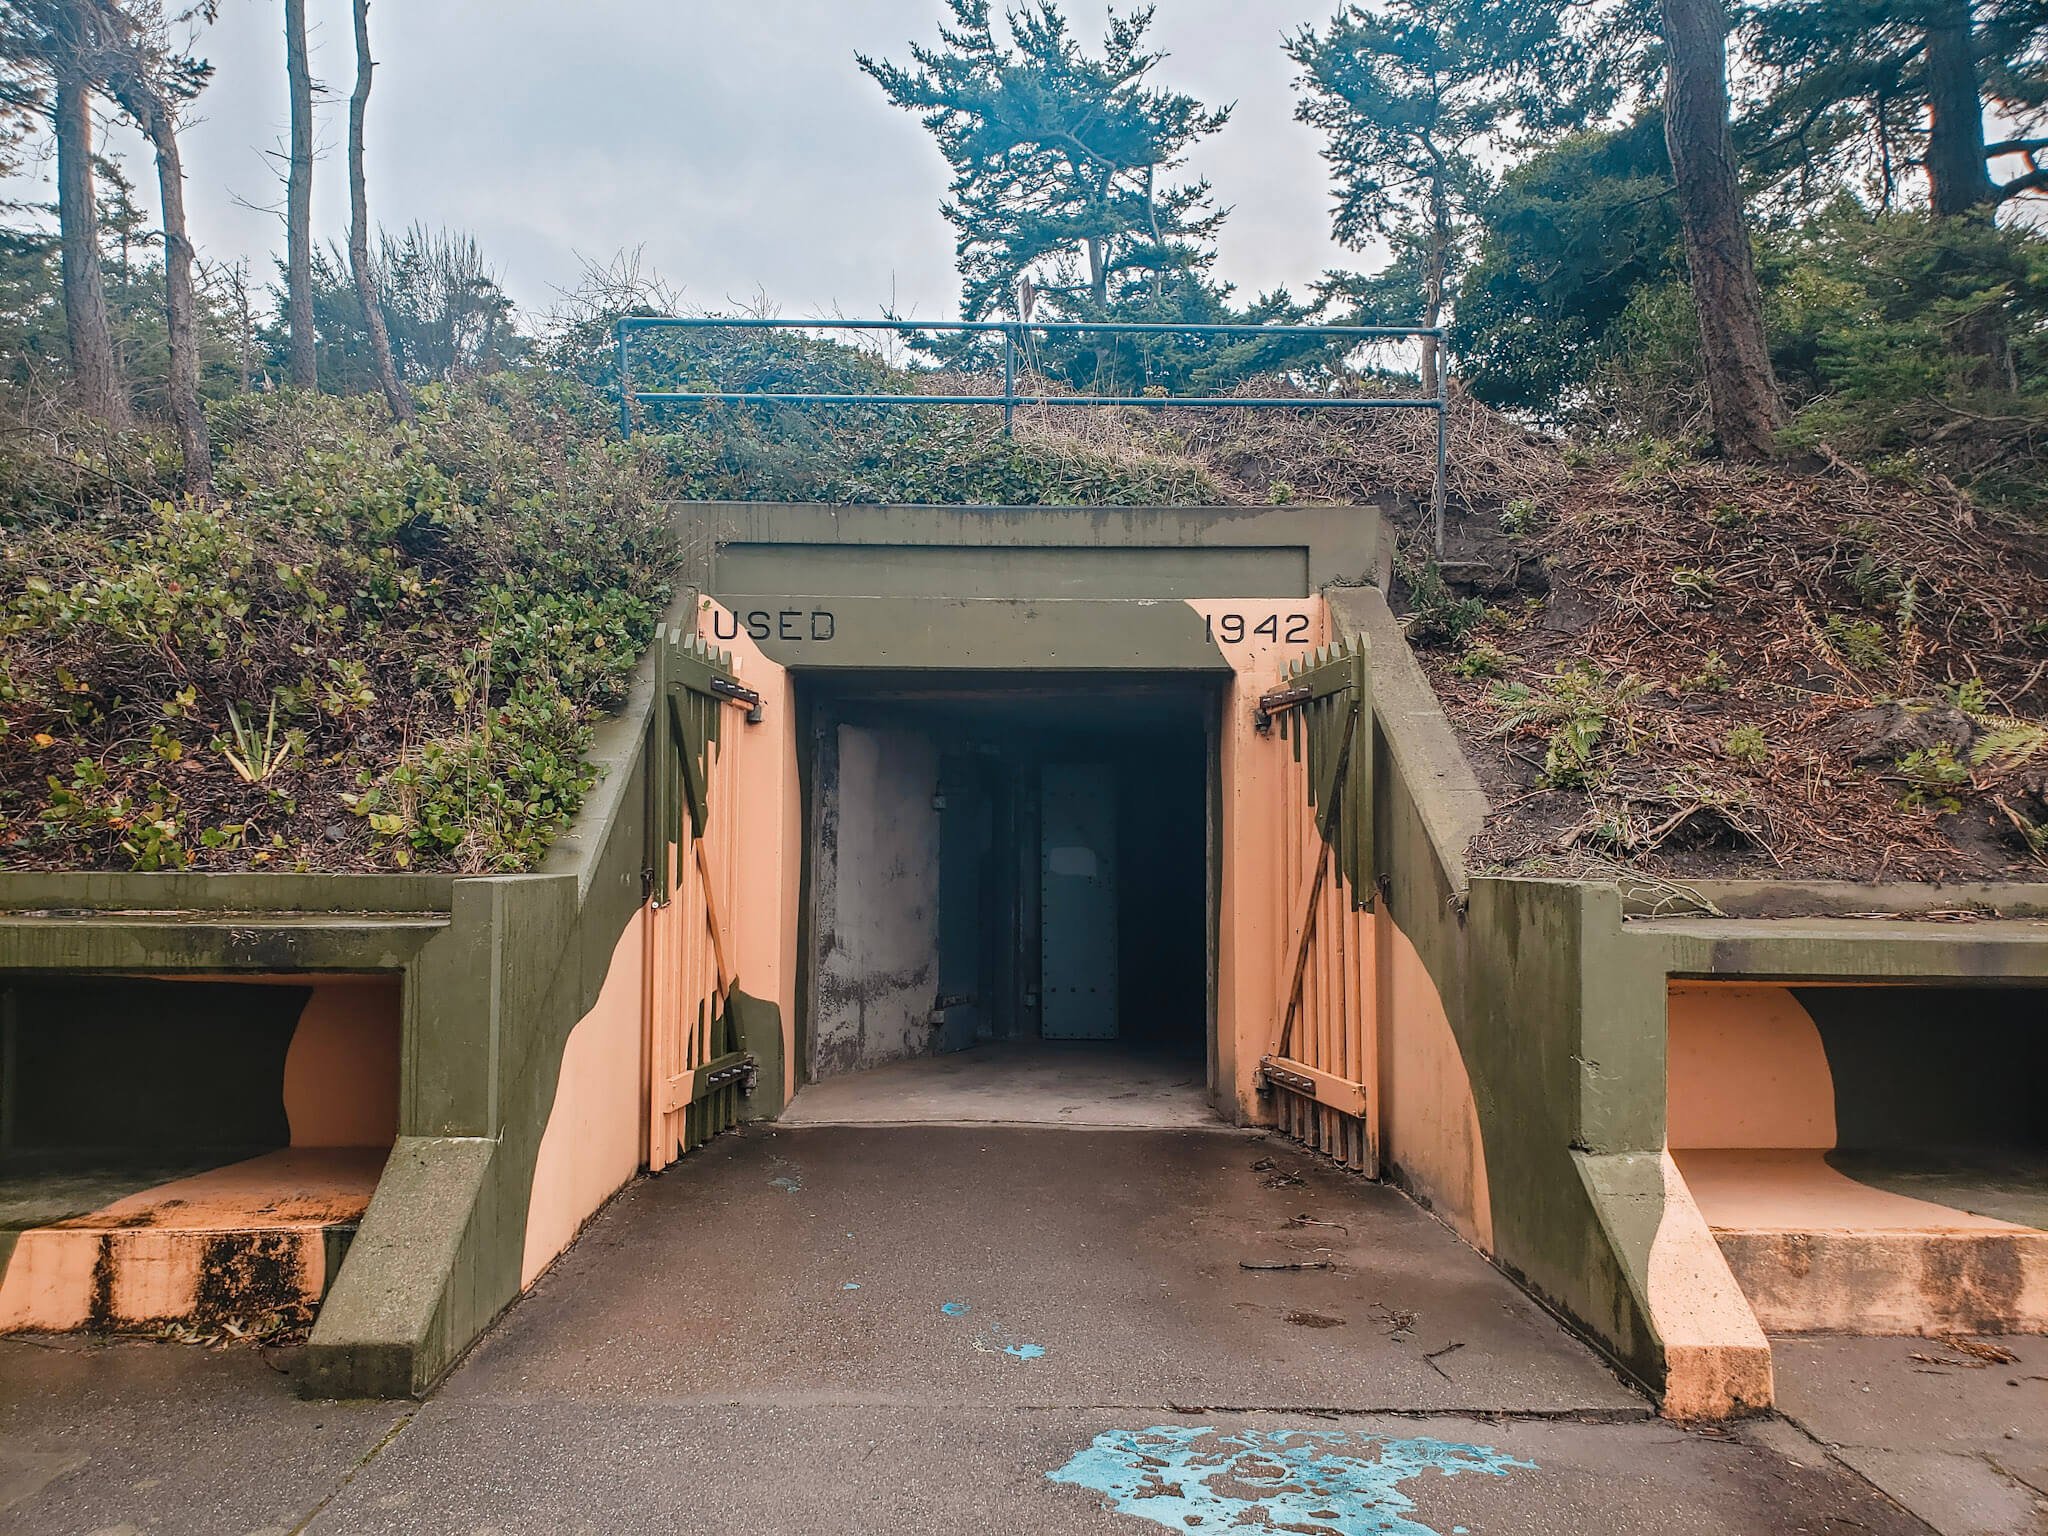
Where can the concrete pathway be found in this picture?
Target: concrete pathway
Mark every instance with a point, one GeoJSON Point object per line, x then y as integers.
{"type": "Point", "coordinates": [1024, 1083]}
{"type": "Point", "coordinates": [937, 1330]}
{"type": "Point", "coordinates": [1953, 1432]}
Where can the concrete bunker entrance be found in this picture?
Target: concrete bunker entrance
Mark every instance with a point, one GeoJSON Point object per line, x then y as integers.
{"type": "Point", "coordinates": [1863, 1164]}
{"type": "Point", "coordinates": [187, 1150]}
{"type": "Point", "coordinates": [1009, 879]}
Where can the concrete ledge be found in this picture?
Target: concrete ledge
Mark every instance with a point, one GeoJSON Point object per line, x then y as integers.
{"type": "Point", "coordinates": [161, 942]}
{"type": "Point", "coordinates": [218, 1247]}
{"type": "Point", "coordinates": [1832, 898]}
{"type": "Point", "coordinates": [1893, 1282]}
{"type": "Point", "coordinates": [272, 894]}
{"type": "Point", "coordinates": [385, 1329]}
{"type": "Point", "coordinates": [1842, 948]}
{"type": "Point", "coordinates": [1419, 739]}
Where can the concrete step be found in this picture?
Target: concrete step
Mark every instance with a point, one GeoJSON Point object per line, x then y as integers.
{"type": "Point", "coordinates": [232, 1244]}
{"type": "Point", "coordinates": [1816, 1251]}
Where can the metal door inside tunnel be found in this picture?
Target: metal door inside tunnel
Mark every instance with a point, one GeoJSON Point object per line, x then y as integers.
{"type": "Point", "coordinates": [1078, 902]}
{"type": "Point", "coordinates": [1007, 866]}
{"type": "Point", "coordinates": [966, 917]}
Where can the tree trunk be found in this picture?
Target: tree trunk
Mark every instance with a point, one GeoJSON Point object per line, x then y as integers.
{"type": "Point", "coordinates": [359, 225]}
{"type": "Point", "coordinates": [94, 373]}
{"type": "Point", "coordinates": [1158, 243]}
{"type": "Point", "coordinates": [1959, 184]}
{"type": "Point", "coordinates": [1098, 292]}
{"type": "Point", "coordinates": [1958, 180]}
{"type": "Point", "coordinates": [298, 202]}
{"type": "Point", "coordinates": [188, 416]}
{"type": "Point", "coordinates": [1434, 278]}
{"type": "Point", "coordinates": [245, 329]}
{"type": "Point", "coordinates": [1741, 392]}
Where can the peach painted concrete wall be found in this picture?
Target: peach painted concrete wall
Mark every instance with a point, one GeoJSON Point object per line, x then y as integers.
{"type": "Point", "coordinates": [1751, 1117]}
{"type": "Point", "coordinates": [1253, 903]}
{"type": "Point", "coordinates": [141, 1259]}
{"type": "Point", "coordinates": [1429, 1120]}
{"type": "Point", "coordinates": [1717, 1360]}
{"type": "Point", "coordinates": [770, 812]}
{"type": "Point", "coordinates": [1746, 1069]}
{"type": "Point", "coordinates": [593, 1141]}
{"type": "Point", "coordinates": [341, 1070]}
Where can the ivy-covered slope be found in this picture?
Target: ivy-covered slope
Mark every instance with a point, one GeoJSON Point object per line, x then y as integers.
{"type": "Point", "coordinates": [383, 646]}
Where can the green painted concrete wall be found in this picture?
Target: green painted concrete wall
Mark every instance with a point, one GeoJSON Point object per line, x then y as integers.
{"type": "Point", "coordinates": [1565, 1174]}
{"type": "Point", "coordinates": [490, 1010]}
{"type": "Point", "coordinates": [1554, 990]}
{"type": "Point", "coordinates": [1045, 552]}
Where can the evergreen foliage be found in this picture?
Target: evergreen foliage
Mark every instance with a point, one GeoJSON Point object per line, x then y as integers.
{"type": "Point", "coordinates": [1060, 160]}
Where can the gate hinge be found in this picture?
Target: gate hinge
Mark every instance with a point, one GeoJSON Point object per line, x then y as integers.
{"type": "Point", "coordinates": [694, 1083]}
{"type": "Point", "coordinates": [1277, 700]}
{"type": "Point", "coordinates": [1272, 1075]}
{"type": "Point", "coordinates": [738, 693]}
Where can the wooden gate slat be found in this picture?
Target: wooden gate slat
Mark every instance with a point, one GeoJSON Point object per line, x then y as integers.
{"type": "Point", "coordinates": [690, 1033]}
{"type": "Point", "coordinates": [1324, 1036]}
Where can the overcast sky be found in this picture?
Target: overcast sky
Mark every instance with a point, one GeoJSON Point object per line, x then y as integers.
{"type": "Point", "coordinates": [736, 140]}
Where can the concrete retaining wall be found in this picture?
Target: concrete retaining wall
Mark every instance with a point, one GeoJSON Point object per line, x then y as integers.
{"type": "Point", "coordinates": [1556, 994]}
{"type": "Point", "coordinates": [501, 976]}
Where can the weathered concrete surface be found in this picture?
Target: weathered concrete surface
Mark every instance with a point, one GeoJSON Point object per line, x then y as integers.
{"type": "Point", "coordinates": [773, 1471]}
{"type": "Point", "coordinates": [1959, 1441]}
{"type": "Point", "coordinates": [127, 1436]}
{"type": "Point", "coordinates": [875, 950]}
{"type": "Point", "coordinates": [1102, 1085]}
{"type": "Point", "coordinates": [1118, 1253]}
{"type": "Point", "coordinates": [697, 1363]}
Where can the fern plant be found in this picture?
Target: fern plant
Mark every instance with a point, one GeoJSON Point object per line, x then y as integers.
{"type": "Point", "coordinates": [1587, 714]}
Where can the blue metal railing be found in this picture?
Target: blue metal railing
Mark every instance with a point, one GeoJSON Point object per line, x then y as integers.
{"type": "Point", "coordinates": [1013, 334]}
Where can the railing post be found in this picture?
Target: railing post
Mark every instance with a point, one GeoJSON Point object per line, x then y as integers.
{"type": "Point", "coordinates": [1014, 329]}
{"type": "Point", "coordinates": [625, 387]}
{"type": "Point", "coordinates": [1439, 491]}
{"type": "Point", "coordinates": [1009, 379]}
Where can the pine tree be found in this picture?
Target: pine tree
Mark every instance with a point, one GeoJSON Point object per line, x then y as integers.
{"type": "Point", "coordinates": [136, 61]}
{"type": "Point", "coordinates": [1060, 161]}
{"type": "Point", "coordinates": [1742, 391]}
{"type": "Point", "coordinates": [1406, 106]}
{"type": "Point", "coordinates": [1877, 88]}
{"type": "Point", "coordinates": [45, 46]}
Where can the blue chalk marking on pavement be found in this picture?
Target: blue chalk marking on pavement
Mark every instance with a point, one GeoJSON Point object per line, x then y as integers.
{"type": "Point", "coordinates": [1295, 1479]}
{"type": "Point", "coordinates": [1025, 1351]}
{"type": "Point", "coordinates": [955, 1308]}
